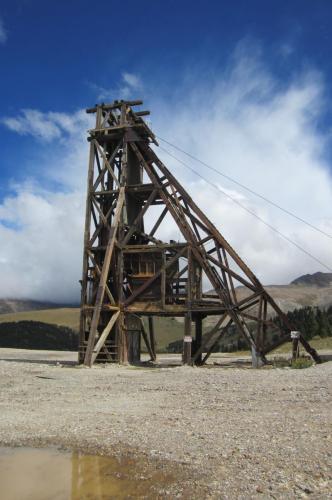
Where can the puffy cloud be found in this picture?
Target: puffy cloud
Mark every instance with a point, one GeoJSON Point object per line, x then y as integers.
{"type": "Point", "coordinates": [243, 122]}
{"type": "Point", "coordinates": [132, 80]}
{"type": "Point", "coordinates": [42, 257]}
{"type": "Point", "coordinates": [41, 231]}
{"type": "Point", "coordinates": [45, 126]}
{"type": "Point", "coordinates": [264, 135]}
{"type": "Point", "coordinates": [129, 84]}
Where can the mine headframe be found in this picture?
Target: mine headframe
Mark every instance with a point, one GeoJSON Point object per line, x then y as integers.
{"type": "Point", "coordinates": [129, 272]}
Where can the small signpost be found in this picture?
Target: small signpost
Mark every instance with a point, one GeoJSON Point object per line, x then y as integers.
{"type": "Point", "coordinates": [295, 335]}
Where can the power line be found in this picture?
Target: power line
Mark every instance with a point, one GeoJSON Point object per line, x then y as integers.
{"type": "Point", "coordinates": [312, 226]}
{"type": "Point", "coordinates": [248, 210]}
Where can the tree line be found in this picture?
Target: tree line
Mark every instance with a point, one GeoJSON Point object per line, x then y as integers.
{"type": "Point", "coordinates": [37, 335]}
{"type": "Point", "coordinates": [310, 321]}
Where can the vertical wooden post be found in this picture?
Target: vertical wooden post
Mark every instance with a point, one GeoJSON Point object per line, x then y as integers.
{"type": "Point", "coordinates": [103, 281]}
{"type": "Point", "coordinates": [187, 341]}
{"type": "Point", "coordinates": [264, 328]}
{"type": "Point", "coordinates": [133, 336]}
{"type": "Point", "coordinates": [295, 349]}
{"type": "Point", "coordinates": [256, 358]}
{"type": "Point", "coordinates": [295, 336]}
{"type": "Point", "coordinates": [122, 344]}
{"type": "Point", "coordinates": [163, 279]}
{"type": "Point", "coordinates": [84, 284]}
{"type": "Point", "coordinates": [122, 332]}
{"type": "Point", "coordinates": [259, 334]}
{"type": "Point", "coordinates": [198, 337]}
{"type": "Point", "coordinates": [152, 338]}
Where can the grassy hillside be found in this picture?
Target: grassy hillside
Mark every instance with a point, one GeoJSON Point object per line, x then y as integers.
{"type": "Point", "coordinates": [8, 306]}
{"type": "Point", "coordinates": [64, 317]}
{"type": "Point", "coordinates": [167, 329]}
{"type": "Point", "coordinates": [317, 343]}
{"type": "Point", "coordinates": [37, 335]}
{"type": "Point", "coordinates": [308, 290]}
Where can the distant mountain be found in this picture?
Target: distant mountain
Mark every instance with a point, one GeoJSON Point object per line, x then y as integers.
{"type": "Point", "coordinates": [313, 290]}
{"type": "Point", "coordinates": [18, 305]}
{"type": "Point", "coordinates": [316, 279]}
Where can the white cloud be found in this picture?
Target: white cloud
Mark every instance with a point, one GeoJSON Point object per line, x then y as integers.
{"type": "Point", "coordinates": [103, 94]}
{"type": "Point", "coordinates": [127, 88]}
{"type": "Point", "coordinates": [264, 136]}
{"type": "Point", "coordinates": [45, 126]}
{"type": "Point", "coordinates": [3, 32]}
{"type": "Point", "coordinates": [132, 80]}
{"type": "Point", "coordinates": [243, 123]}
{"type": "Point", "coordinates": [42, 259]}
{"type": "Point", "coordinates": [41, 231]}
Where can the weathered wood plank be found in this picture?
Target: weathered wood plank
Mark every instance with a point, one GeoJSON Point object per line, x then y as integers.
{"type": "Point", "coordinates": [103, 279]}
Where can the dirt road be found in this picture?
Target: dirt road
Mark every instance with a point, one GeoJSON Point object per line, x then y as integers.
{"type": "Point", "coordinates": [231, 432]}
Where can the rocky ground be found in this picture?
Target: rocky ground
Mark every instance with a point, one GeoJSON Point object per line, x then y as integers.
{"type": "Point", "coordinates": [230, 432]}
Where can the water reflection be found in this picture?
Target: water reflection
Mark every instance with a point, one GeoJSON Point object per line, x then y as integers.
{"type": "Point", "coordinates": [42, 474]}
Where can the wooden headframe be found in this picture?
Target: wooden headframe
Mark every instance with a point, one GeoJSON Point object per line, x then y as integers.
{"type": "Point", "coordinates": [129, 272]}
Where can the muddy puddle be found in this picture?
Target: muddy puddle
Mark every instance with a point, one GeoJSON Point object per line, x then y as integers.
{"type": "Point", "coordinates": [50, 474]}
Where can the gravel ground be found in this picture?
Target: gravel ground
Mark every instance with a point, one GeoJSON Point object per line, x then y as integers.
{"type": "Point", "coordinates": [227, 432]}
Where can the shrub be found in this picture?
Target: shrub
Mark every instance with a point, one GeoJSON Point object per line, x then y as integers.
{"type": "Point", "coordinates": [301, 362]}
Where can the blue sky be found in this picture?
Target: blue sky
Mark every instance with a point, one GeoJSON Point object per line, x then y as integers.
{"type": "Point", "coordinates": [212, 69]}
{"type": "Point", "coordinates": [54, 50]}
{"type": "Point", "coordinates": [57, 54]}
{"type": "Point", "coordinates": [59, 47]}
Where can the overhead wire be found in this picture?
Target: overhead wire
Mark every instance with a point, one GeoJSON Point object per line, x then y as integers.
{"type": "Point", "coordinates": [227, 195]}
{"type": "Point", "coordinates": [243, 186]}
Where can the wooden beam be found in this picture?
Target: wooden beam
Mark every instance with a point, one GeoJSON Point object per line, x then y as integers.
{"type": "Point", "coordinates": [147, 343]}
{"type": "Point", "coordinates": [97, 268]}
{"type": "Point", "coordinates": [139, 217]}
{"type": "Point", "coordinates": [108, 166]}
{"type": "Point", "coordinates": [152, 338]}
{"type": "Point", "coordinates": [103, 279]}
{"type": "Point", "coordinates": [187, 340]}
{"type": "Point", "coordinates": [110, 162]}
{"type": "Point", "coordinates": [103, 336]}
{"type": "Point", "coordinates": [210, 337]}
{"type": "Point", "coordinates": [159, 221]}
{"type": "Point", "coordinates": [85, 251]}
{"type": "Point", "coordinates": [216, 339]}
{"type": "Point", "coordinates": [198, 337]}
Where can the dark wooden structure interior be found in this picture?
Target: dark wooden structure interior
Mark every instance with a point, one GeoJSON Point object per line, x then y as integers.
{"type": "Point", "coordinates": [129, 271]}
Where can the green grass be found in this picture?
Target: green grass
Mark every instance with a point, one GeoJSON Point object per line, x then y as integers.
{"type": "Point", "coordinates": [63, 317]}
{"type": "Point", "coordinates": [167, 329]}
{"type": "Point", "coordinates": [301, 363]}
{"type": "Point", "coordinates": [317, 343]}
